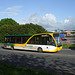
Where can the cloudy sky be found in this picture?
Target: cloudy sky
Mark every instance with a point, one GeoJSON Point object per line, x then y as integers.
{"type": "Point", "coordinates": [51, 14]}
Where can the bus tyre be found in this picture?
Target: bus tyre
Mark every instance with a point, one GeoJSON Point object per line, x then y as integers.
{"type": "Point", "coordinates": [39, 49]}
{"type": "Point", "coordinates": [12, 48]}
{"type": "Point", "coordinates": [4, 45]}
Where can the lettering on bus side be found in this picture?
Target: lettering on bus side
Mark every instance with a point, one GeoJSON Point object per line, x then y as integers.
{"type": "Point", "coordinates": [29, 46]}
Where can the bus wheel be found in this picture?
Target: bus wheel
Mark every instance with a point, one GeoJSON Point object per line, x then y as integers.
{"type": "Point", "coordinates": [39, 49]}
{"type": "Point", "coordinates": [12, 48]}
{"type": "Point", "coordinates": [4, 46]}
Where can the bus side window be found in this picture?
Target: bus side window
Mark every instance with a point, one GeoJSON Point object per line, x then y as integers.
{"type": "Point", "coordinates": [31, 41]}
{"type": "Point", "coordinates": [42, 40]}
{"type": "Point", "coordinates": [7, 40]}
{"type": "Point", "coordinates": [35, 40]}
{"type": "Point", "coordinates": [25, 38]}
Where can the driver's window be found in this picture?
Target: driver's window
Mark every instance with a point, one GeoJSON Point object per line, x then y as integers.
{"type": "Point", "coordinates": [51, 41]}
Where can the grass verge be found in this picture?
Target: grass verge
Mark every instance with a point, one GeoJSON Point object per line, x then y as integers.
{"type": "Point", "coordinates": [6, 69]}
{"type": "Point", "coordinates": [1, 43]}
{"type": "Point", "coordinates": [66, 45]}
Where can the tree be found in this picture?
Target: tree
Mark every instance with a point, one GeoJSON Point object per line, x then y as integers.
{"type": "Point", "coordinates": [55, 30]}
{"type": "Point", "coordinates": [40, 29]}
{"type": "Point", "coordinates": [8, 21]}
{"type": "Point", "coordinates": [10, 27]}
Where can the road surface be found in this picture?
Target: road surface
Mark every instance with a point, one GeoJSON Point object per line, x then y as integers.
{"type": "Point", "coordinates": [62, 62]}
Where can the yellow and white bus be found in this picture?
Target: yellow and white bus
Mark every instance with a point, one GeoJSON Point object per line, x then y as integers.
{"type": "Point", "coordinates": [42, 42]}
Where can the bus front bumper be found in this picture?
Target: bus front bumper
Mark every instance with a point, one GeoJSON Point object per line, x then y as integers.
{"type": "Point", "coordinates": [57, 49]}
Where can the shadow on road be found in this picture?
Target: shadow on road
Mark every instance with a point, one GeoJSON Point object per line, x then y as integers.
{"type": "Point", "coordinates": [58, 66]}
{"type": "Point", "coordinates": [72, 48]}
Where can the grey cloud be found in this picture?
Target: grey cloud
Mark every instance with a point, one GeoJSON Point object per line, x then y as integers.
{"type": "Point", "coordinates": [49, 22]}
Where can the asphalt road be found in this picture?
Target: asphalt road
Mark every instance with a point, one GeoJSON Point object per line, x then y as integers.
{"type": "Point", "coordinates": [71, 40]}
{"type": "Point", "coordinates": [62, 62]}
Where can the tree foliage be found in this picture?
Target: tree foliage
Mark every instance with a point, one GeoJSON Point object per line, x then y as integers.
{"type": "Point", "coordinates": [13, 28]}
{"type": "Point", "coordinates": [8, 21]}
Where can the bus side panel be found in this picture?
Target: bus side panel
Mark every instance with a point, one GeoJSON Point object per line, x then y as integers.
{"type": "Point", "coordinates": [48, 48]}
{"type": "Point", "coordinates": [44, 47]}
{"type": "Point", "coordinates": [32, 47]}
{"type": "Point", "coordinates": [27, 47]}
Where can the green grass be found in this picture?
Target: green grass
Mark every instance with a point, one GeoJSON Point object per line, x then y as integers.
{"type": "Point", "coordinates": [1, 43]}
{"type": "Point", "coordinates": [6, 69]}
{"type": "Point", "coordinates": [66, 45]}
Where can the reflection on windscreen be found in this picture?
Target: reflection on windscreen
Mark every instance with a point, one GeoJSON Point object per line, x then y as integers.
{"type": "Point", "coordinates": [58, 41]}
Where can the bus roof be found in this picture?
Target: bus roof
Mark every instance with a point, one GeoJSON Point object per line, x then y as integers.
{"type": "Point", "coordinates": [31, 34]}
{"type": "Point", "coordinates": [20, 35]}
